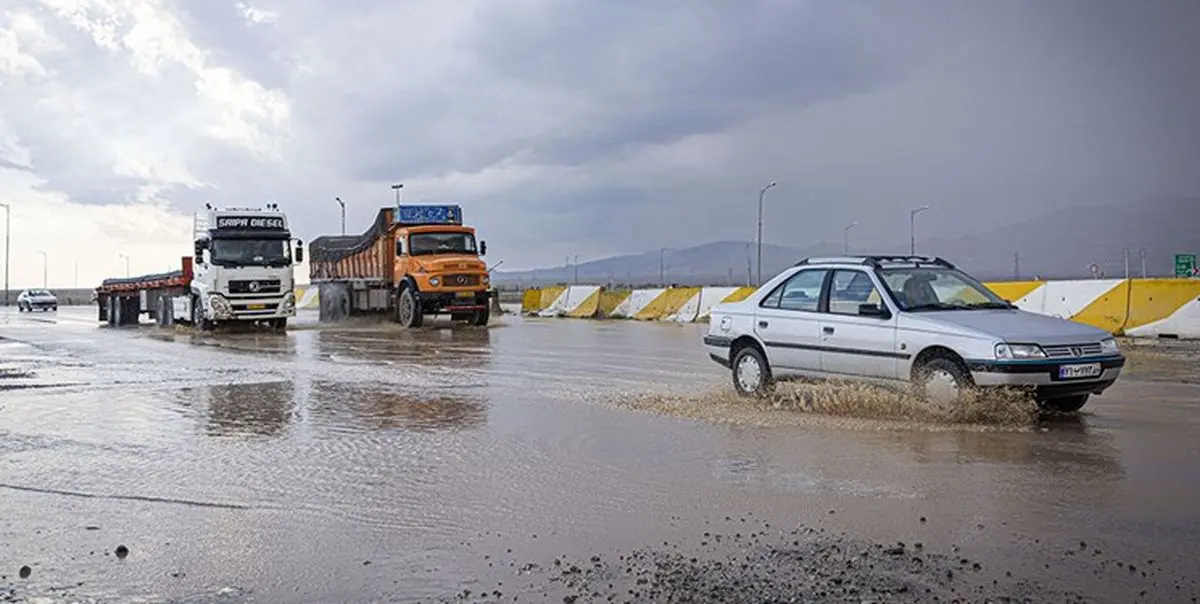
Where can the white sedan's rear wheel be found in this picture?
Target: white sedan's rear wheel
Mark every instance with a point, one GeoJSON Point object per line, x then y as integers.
{"type": "Point", "coordinates": [751, 373]}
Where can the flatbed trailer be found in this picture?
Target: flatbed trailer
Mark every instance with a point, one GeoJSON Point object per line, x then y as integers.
{"type": "Point", "coordinates": [121, 300]}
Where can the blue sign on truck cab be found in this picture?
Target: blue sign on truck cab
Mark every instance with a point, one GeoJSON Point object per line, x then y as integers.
{"type": "Point", "coordinates": [428, 214]}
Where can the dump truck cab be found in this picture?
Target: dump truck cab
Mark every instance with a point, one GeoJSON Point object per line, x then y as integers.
{"type": "Point", "coordinates": [441, 264]}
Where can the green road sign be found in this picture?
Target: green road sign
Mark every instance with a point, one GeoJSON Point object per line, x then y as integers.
{"type": "Point", "coordinates": [1185, 266]}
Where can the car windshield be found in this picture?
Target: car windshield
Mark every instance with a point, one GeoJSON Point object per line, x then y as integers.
{"type": "Point", "coordinates": [441, 243]}
{"type": "Point", "coordinates": [40, 292]}
{"type": "Point", "coordinates": [937, 288]}
{"type": "Point", "coordinates": [251, 252]}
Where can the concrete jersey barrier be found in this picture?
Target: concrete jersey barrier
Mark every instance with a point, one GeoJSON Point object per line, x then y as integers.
{"type": "Point", "coordinates": [1168, 308]}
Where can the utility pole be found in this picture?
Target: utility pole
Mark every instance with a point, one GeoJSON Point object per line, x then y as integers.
{"type": "Point", "coordinates": [846, 237]}
{"type": "Point", "coordinates": [1142, 256]}
{"type": "Point", "coordinates": [126, 263]}
{"type": "Point", "coordinates": [343, 204]}
{"type": "Point", "coordinates": [45, 269]}
{"type": "Point", "coordinates": [761, 193]}
{"type": "Point", "coordinates": [576, 263]}
{"type": "Point", "coordinates": [1017, 265]}
{"type": "Point", "coordinates": [7, 229]}
{"type": "Point", "coordinates": [912, 229]}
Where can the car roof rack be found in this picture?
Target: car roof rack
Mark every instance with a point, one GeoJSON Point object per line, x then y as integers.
{"type": "Point", "coordinates": [875, 261]}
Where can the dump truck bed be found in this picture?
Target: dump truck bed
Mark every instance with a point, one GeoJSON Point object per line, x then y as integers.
{"type": "Point", "coordinates": [367, 256]}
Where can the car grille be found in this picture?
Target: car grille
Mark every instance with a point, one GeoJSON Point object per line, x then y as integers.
{"type": "Point", "coordinates": [246, 286]}
{"type": "Point", "coordinates": [459, 280]}
{"type": "Point", "coordinates": [1071, 351]}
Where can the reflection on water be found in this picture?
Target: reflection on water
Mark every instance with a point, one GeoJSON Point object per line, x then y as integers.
{"type": "Point", "coordinates": [1060, 443]}
{"type": "Point", "coordinates": [457, 347]}
{"type": "Point", "coordinates": [357, 407]}
{"type": "Point", "coordinates": [262, 409]}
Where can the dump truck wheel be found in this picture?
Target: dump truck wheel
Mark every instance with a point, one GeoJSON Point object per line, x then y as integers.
{"type": "Point", "coordinates": [408, 311]}
{"type": "Point", "coordinates": [480, 318]}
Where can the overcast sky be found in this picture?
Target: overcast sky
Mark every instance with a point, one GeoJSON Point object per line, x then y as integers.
{"type": "Point", "coordinates": [568, 127]}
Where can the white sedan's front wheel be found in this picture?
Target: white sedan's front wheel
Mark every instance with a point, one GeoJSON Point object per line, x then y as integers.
{"type": "Point", "coordinates": [751, 374]}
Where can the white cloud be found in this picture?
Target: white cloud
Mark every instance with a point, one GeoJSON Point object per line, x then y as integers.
{"type": "Point", "coordinates": [256, 15]}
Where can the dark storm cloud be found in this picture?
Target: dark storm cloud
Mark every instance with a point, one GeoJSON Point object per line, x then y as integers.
{"type": "Point", "coordinates": [625, 74]}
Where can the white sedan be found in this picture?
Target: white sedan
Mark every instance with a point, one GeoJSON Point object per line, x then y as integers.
{"type": "Point", "coordinates": [909, 320]}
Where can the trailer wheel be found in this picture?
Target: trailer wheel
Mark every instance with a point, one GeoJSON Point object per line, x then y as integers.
{"type": "Point", "coordinates": [165, 314]}
{"type": "Point", "coordinates": [408, 311]}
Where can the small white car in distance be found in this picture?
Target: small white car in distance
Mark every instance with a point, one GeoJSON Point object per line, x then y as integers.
{"type": "Point", "coordinates": [36, 299]}
{"type": "Point", "coordinates": [906, 319]}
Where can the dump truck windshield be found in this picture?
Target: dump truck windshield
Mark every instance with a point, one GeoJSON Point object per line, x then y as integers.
{"type": "Point", "coordinates": [251, 252]}
{"type": "Point", "coordinates": [441, 243]}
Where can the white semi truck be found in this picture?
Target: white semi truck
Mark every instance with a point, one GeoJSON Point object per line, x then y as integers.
{"type": "Point", "coordinates": [242, 272]}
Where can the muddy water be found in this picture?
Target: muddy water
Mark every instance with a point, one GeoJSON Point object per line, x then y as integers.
{"type": "Point", "coordinates": [367, 463]}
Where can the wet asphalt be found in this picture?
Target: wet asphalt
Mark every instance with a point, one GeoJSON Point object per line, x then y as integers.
{"type": "Point", "coordinates": [366, 463]}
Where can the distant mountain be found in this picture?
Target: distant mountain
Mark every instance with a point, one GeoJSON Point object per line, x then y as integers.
{"type": "Point", "coordinates": [1061, 244]}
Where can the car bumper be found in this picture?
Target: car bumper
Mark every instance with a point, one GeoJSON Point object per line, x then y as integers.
{"type": "Point", "coordinates": [718, 349]}
{"type": "Point", "coordinates": [42, 304]}
{"type": "Point", "coordinates": [1044, 376]}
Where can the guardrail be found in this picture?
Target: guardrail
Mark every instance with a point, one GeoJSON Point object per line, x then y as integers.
{"type": "Point", "coordinates": [1167, 308]}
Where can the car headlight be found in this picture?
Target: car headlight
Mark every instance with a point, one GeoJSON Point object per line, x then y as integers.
{"type": "Point", "coordinates": [434, 281]}
{"type": "Point", "coordinates": [1019, 351]}
{"type": "Point", "coordinates": [1109, 346]}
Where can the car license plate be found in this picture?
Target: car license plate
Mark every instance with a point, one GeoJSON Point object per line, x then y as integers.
{"type": "Point", "coordinates": [1069, 372]}
{"type": "Point", "coordinates": [465, 294]}
{"type": "Point", "coordinates": [255, 306]}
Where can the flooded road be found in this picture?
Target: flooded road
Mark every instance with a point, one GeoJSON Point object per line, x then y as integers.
{"type": "Point", "coordinates": [369, 463]}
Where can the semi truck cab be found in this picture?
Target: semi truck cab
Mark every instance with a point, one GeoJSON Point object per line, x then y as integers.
{"type": "Point", "coordinates": [243, 269]}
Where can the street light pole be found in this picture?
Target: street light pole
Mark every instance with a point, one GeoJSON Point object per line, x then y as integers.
{"type": "Point", "coordinates": [126, 264]}
{"type": "Point", "coordinates": [45, 269]}
{"type": "Point", "coordinates": [662, 271]}
{"type": "Point", "coordinates": [761, 193]}
{"type": "Point", "coordinates": [912, 229]}
{"type": "Point", "coordinates": [576, 264]}
{"type": "Point", "coordinates": [846, 237]}
{"type": "Point", "coordinates": [343, 204]}
{"type": "Point", "coordinates": [7, 229]}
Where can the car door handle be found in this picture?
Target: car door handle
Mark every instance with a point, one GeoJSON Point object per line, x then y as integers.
{"type": "Point", "coordinates": [762, 324]}
{"type": "Point", "coordinates": [828, 330]}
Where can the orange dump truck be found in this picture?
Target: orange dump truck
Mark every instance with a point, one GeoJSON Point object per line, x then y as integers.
{"type": "Point", "coordinates": [415, 261]}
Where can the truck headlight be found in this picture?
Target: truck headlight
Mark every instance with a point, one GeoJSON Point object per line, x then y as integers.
{"type": "Point", "coordinates": [1109, 346]}
{"type": "Point", "coordinates": [434, 281]}
{"type": "Point", "coordinates": [486, 280]}
{"type": "Point", "coordinates": [1019, 351]}
{"type": "Point", "coordinates": [289, 300]}
{"type": "Point", "coordinates": [220, 306]}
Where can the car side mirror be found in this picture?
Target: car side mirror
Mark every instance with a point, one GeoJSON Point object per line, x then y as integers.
{"type": "Point", "coordinates": [299, 255]}
{"type": "Point", "coordinates": [482, 248]}
{"type": "Point", "coordinates": [874, 310]}
{"type": "Point", "coordinates": [200, 251]}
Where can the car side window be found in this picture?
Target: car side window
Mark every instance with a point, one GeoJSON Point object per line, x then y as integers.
{"type": "Point", "coordinates": [849, 289]}
{"type": "Point", "coordinates": [801, 291]}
